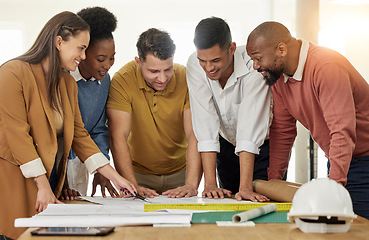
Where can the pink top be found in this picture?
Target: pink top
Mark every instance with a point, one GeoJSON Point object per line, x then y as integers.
{"type": "Point", "coordinates": [331, 99]}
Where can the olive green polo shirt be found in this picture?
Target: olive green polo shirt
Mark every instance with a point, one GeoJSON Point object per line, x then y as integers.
{"type": "Point", "coordinates": [157, 141]}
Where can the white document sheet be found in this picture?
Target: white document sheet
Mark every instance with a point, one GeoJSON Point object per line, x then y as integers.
{"type": "Point", "coordinates": [102, 220]}
{"type": "Point", "coordinates": [87, 209]}
{"type": "Point", "coordinates": [115, 212]}
{"type": "Point", "coordinates": [137, 203]}
{"type": "Point", "coordinates": [92, 215]}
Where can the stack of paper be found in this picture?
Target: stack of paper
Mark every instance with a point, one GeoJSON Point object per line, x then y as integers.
{"type": "Point", "coordinates": [115, 212]}
{"type": "Point", "coordinates": [86, 215]}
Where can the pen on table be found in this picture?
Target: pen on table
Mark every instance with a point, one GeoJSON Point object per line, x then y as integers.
{"type": "Point", "coordinates": [134, 194]}
{"type": "Point", "coordinates": [140, 197]}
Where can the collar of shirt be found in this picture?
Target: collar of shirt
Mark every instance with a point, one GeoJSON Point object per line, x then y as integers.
{"type": "Point", "coordinates": [223, 97]}
{"type": "Point", "coordinates": [240, 64]}
{"type": "Point", "coordinates": [77, 76]}
{"type": "Point", "coordinates": [240, 68]}
{"type": "Point", "coordinates": [302, 60]}
{"type": "Point", "coordinates": [168, 89]}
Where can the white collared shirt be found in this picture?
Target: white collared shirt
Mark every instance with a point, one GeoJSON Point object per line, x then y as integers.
{"type": "Point", "coordinates": [301, 65]}
{"type": "Point", "coordinates": [77, 76]}
{"type": "Point", "coordinates": [241, 112]}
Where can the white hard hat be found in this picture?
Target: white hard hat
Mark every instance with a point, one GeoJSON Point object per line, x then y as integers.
{"type": "Point", "coordinates": [321, 206]}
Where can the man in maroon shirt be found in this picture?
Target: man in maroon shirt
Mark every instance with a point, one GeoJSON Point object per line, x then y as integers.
{"type": "Point", "coordinates": [321, 89]}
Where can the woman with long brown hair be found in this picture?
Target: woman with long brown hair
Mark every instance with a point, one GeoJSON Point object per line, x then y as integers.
{"type": "Point", "coordinates": [40, 122]}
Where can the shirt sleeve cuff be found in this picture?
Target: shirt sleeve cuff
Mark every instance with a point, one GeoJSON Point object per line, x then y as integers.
{"type": "Point", "coordinates": [95, 161]}
{"type": "Point", "coordinates": [33, 168]}
{"type": "Point", "coordinates": [208, 146]}
{"type": "Point", "coordinates": [247, 147]}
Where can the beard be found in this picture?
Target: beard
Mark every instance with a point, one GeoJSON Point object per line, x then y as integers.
{"type": "Point", "coordinates": [273, 77]}
{"type": "Point", "coordinates": [274, 74]}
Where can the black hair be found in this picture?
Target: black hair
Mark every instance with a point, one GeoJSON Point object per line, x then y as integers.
{"type": "Point", "coordinates": [155, 42]}
{"type": "Point", "coordinates": [102, 23]}
{"type": "Point", "coordinates": [212, 31]}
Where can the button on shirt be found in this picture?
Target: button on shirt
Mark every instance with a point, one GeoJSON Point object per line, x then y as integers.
{"type": "Point", "coordinates": [157, 141]}
{"type": "Point", "coordinates": [241, 112]}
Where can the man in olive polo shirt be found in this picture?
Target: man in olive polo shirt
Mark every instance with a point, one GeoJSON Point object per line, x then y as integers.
{"type": "Point", "coordinates": [149, 120]}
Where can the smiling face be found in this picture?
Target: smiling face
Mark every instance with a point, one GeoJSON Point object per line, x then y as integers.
{"type": "Point", "coordinates": [155, 71]}
{"type": "Point", "coordinates": [72, 51]}
{"type": "Point", "coordinates": [99, 59]}
{"type": "Point", "coordinates": [267, 59]}
{"type": "Point", "coordinates": [217, 62]}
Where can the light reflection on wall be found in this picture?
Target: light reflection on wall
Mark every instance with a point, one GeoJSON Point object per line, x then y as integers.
{"type": "Point", "coordinates": [344, 29]}
{"type": "Point", "coordinates": [12, 45]}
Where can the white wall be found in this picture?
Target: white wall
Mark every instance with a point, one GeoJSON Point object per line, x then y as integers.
{"type": "Point", "coordinates": [343, 28]}
{"type": "Point", "coordinates": [134, 17]}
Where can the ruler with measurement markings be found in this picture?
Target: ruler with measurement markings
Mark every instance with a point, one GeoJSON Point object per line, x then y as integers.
{"type": "Point", "coordinates": [214, 206]}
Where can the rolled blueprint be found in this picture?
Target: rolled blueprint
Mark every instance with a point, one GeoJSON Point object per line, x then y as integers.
{"type": "Point", "coordinates": [276, 190]}
{"type": "Point", "coordinates": [254, 213]}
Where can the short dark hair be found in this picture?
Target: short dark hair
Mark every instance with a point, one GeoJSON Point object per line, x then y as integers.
{"type": "Point", "coordinates": [155, 42]}
{"type": "Point", "coordinates": [212, 31]}
{"type": "Point", "coordinates": [272, 32]}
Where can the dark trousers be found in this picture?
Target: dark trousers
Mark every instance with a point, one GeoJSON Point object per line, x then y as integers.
{"type": "Point", "coordinates": [228, 165]}
{"type": "Point", "coordinates": [358, 185]}
{"type": "Point", "coordinates": [53, 180]}
{"type": "Point", "coordinates": [2, 237]}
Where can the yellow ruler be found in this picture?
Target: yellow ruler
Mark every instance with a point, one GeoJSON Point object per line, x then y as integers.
{"type": "Point", "coordinates": [214, 206]}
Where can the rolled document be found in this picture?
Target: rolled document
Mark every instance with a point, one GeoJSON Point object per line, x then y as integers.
{"type": "Point", "coordinates": [276, 190]}
{"type": "Point", "coordinates": [254, 213]}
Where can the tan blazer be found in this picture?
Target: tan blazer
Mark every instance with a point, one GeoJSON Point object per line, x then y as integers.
{"type": "Point", "coordinates": [27, 132]}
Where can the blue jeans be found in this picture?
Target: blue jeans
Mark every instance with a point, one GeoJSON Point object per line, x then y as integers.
{"type": "Point", "coordinates": [228, 165]}
{"type": "Point", "coordinates": [358, 185]}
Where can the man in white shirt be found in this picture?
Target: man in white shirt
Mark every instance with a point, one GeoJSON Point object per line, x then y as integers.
{"type": "Point", "coordinates": [231, 111]}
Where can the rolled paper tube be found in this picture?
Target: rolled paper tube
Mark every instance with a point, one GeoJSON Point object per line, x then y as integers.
{"type": "Point", "coordinates": [279, 191]}
{"type": "Point", "coordinates": [285, 182]}
{"type": "Point", "coordinates": [254, 213]}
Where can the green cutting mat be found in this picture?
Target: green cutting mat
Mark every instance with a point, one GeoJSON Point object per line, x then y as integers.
{"type": "Point", "coordinates": [212, 217]}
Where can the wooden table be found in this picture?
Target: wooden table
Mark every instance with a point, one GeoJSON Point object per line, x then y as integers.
{"type": "Point", "coordinates": [262, 231]}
